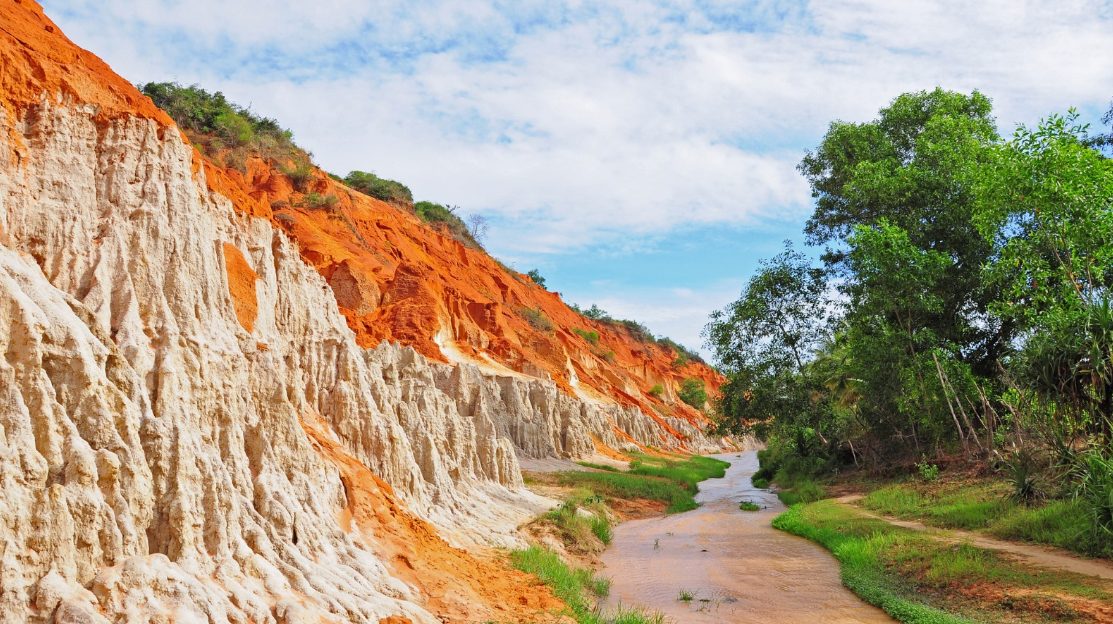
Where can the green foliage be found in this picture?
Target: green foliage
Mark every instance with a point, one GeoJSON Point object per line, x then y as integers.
{"type": "Point", "coordinates": [588, 335]}
{"type": "Point", "coordinates": [606, 467]}
{"type": "Point", "coordinates": [1022, 472]}
{"type": "Point", "coordinates": [595, 313]}
{"type": "Point", "coordinates": [318, 201]}
{"type": "Point", "coordinates": [683, 354]}
{"type": "Point", "coordinates": [445, 218]}
{"type": "Point", "coordinates": [685, 596]}
{"type": "Point", "coordinates": [537, 319]}
{"type": "Point", "coordinates": [576, 528]}
{"type": "Point", "coordinates": [223, 130]}
{"type": "Point", "coordinates": [625, 485]}
{"type": "Point", "coordinates": [299, 172]}
{"type": "Point", "coordinates": [749, 506]}
{"type": "Point", "coordinates": [577, 587]}
{"type": "Point", "coordinates": [760, 483]}
{"type": "Point", "coordinates": [1063, 523]}
{"type": "Point", "coordinates": [802, 491]}
{"type": "Point", "coordinates": [973, 507]}
{"type": "Point", "coordinates": [964, 304]}
{"type": "Point", "coordinates": [657, 390]}
{"type": "Point", "coordinates": [693, 392]}
{"type": "Point", "coordinates": [928, 471]}
{"type": "Point", "coordinates": [1096, 494]}
{"type": "Point", "coordinates": [766, 339]}
{"type": "Point", "coordinates": [635, 330]}
{"type": "Point", "coordinates": [380, 188]}
{"type": "Point", "coordinates": [535, 276]}
{"type": "Point", "coordinates": [601, 528]}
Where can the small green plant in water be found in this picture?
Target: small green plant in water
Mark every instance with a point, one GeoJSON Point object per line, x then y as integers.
{"type": "Point", "coordinates": [749, 506]}
{"type": "Point", "coordinates": [685, 596]}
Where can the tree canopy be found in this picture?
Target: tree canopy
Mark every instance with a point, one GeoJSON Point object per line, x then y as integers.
{"type": "Point", "coordinates": [960, 300]}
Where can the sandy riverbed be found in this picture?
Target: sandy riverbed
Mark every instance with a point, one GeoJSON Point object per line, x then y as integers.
{"type": "Point", "coordinates": [736, 565]}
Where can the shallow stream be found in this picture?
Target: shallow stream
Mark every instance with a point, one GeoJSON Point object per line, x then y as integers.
{"type": "Point", "coordinates": [736, 567]}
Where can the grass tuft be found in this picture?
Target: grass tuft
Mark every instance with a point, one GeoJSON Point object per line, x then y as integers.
{"type": "Point", "coordinates": [577, 588]}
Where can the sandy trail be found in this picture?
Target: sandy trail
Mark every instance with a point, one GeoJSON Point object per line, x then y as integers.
{"type": "Point", "coordinates": [739, 568]}
{"type": "Point", "coordinates": [1034, 554]}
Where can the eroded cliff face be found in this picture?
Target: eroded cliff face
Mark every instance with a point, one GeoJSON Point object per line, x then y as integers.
{"type": "Point", "coordinates": [189, 427]}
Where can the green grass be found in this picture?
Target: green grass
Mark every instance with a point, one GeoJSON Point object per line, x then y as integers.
{"type": "Point", "coordinates": [749, 506]}
{"type": "Point", "coordinates": [599, 466]}
{"type": "Point", "coordinates": [672, 481]}
{"type": "Point", "coordinates": [971, 507]}
{"type": "Point", "coordinates": [921, 580]}
{"type": "Point", "coordinates": [576, 529]}
{"type": "Point", "coordinates": [601, 528]}
{"type": "Point", "coordinates": [576, 587]}
{"type": "Point", "coordinates": [760, 483]}
{"type": "Point", "coordinates": [689, 471]}
{"type": "Point", "coordinates": [803, 491]}
{"type": "Point", "coordinates": [987, 506]}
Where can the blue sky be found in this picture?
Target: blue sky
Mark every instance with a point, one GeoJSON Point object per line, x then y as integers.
{"type": "Point", "coordinates": [640, 154]}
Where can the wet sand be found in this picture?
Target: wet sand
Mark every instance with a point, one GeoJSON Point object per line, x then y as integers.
{"type": "Point", "coordinates": [739, 568]}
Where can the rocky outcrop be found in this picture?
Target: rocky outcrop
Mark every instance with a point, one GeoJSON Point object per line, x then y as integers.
{"type": "Point", "coordinates": [189, 427]}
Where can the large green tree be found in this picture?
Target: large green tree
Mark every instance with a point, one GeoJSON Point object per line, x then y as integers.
{"type": "Point", "coordinates": [906, 171]}
{"type": "Point", "coordinates": [766, 341]}
{"type": "Point", "coordinates": [1046, 206]}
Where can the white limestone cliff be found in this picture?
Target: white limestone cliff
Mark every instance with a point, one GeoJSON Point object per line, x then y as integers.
{"type": "Point", "coordinates": [153, 456]}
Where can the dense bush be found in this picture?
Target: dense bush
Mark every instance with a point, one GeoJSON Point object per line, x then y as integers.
{"type": "Point", "coordinates": [221, 129]}
{"type": "Point", "coordinates": [693, 392]}
{"type": "Point", "coordinates": [299, 172]}
{"type": "Point", "coordinates": [535, 276]}
{"type": "Point", "coordinates": [445, 217]}
{"type": "Point", "coordinates": [318, 201]}
{"type": "Point", "coordinates": [380, 188]}
{"type": "Point", "coordinates": [588, 335]}
{"type": "Point", "coordinates": [1096, 493]}
{"type": "Point", "coordinates": [683, 354]}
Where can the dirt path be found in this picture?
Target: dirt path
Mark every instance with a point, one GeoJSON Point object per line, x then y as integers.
{"type": "Point", "coordinates": [1042, 556]}
{"type": "Point", "coordinates": [738, 568]}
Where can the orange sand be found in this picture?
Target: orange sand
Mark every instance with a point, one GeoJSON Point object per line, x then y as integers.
{"type": "Point", "coordinates": [241, 285]}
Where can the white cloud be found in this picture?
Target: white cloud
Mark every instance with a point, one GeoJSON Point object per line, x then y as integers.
{"type": "Point", "coordinates": [578, 124]}
{"type": "Point", "coordinates": [592, 120]}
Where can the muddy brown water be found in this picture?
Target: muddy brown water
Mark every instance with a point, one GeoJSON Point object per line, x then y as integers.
{"type": "Point", "coordinates": [737, 567]}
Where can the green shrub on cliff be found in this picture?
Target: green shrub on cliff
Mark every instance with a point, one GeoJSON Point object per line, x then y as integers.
{"type": "Point", "coordinates": [380, 188]}
{"type": "Point", "coordinates": [223, 130]}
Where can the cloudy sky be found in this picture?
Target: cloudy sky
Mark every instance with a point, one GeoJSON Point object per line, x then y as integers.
{"type": "Point", "coordinates": [640, 154]}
